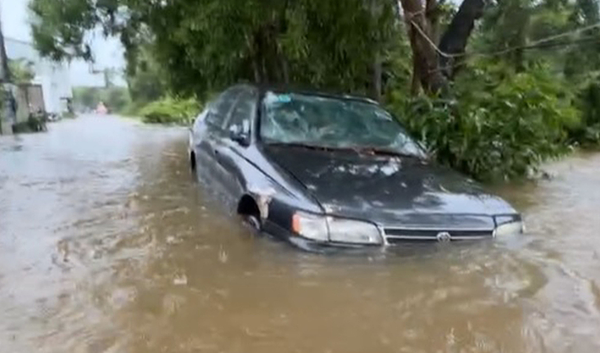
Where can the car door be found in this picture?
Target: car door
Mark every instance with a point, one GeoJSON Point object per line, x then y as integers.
{"type": "Point", "coordinates": [208, 133]}
{"type": "Point", "coordinates": [233, 150]}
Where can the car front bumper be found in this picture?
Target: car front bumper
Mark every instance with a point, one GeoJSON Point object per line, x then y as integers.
{"type": "Point", "coordinates": [392, 236]}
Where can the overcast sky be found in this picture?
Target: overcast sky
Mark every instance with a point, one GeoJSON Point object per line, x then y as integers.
{"type": "Point", "coordinates": [107, 53]}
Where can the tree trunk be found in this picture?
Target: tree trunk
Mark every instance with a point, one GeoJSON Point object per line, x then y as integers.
{"type": "Point", "coordinates": [454, 40]}
{"type": "Point", "coordinates": [257, 78]}
{"type": "Point", "coordinates": [284, 68]}
{"type": "Point", "coordinates": [423, 48]}
{"type": "Point", "coordinates": [415, 86]}
{"type": "Point", "coordinates": [376, 83]}
{"type": "Point", "coordinates": [4, 69]}
{"type": "Point", "coordinates": [433, 68]}
{"type": "Point", "coordinates": [433, 17]}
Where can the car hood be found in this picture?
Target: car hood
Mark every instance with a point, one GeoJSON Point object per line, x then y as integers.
{"type": "Point", "coordinates": [389, 190]}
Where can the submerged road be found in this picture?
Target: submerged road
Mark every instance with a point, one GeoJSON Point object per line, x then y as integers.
{"type": "Point", "coordinates": [107, 244]}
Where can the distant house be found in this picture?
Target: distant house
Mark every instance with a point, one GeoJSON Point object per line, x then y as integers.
{"type": "Point", "coordinates": [52, 76]}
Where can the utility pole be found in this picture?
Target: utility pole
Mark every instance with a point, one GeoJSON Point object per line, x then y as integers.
{"type": "Point", "coordinates": [7, 115]}
{"type": "Point", "coordinates": [4, 70]}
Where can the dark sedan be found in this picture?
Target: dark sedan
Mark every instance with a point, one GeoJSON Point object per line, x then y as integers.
{"type": "Point", "coordinates": [328, 170]}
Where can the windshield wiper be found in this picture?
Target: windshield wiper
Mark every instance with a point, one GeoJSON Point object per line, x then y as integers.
{"type": "Point", "coordinates": [386, 152]}
{"type": "Point", "coordinates": [373, 150]}
{"type": "Point", "coordinates": [310, 146]}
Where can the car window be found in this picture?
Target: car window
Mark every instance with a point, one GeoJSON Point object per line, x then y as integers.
{"type": "Point", "coordinates": [221, 106]}
{"type": "Point", "coordinates": [332, 122]}
{"type": "Point", "coordinates": [242, 113]}
{"type": "Point", "coordinates": [199, 120]}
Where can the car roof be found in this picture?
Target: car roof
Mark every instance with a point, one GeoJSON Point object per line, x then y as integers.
{"type": "Point", "coordinates": [263, 89]}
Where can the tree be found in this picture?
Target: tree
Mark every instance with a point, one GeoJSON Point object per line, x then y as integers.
{"type": "Point", "coordinates": [86, 96]}
{"type": "Point", "coordinates": [323, 43]}
{"type": "Point", "coordinates": [22, 71]}
{"type": "Point", "coordinates": [515, 27]}
{"type": "Point", "coordinates": [455, 39]}
{"type": "Point", "coordinates": [145, 77]}
{"type": "Point", "coordinates": [433, 61]}
{"type": "Point", "coordinates": [115, 98]}
{"type": "Point", "coordinates": [330, 44]}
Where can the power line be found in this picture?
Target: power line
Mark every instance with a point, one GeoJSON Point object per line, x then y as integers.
{"type": "Point", "coordinates": [437, 49]}
{"type": "Point", "coordinates": [547, 45]}
{"type": "Point", "coordinates": [562, 44]}
{"type": "Point", "coordinates": [534, 44]}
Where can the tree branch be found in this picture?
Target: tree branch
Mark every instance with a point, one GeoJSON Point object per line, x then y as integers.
{"type": "Point", "coordinates": [454, 40]}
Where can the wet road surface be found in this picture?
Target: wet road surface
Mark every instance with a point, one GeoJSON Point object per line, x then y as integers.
{"type": "Point", "coordinates": [107, 244]}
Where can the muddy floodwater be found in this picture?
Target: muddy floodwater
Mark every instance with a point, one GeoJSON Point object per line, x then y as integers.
{"type": "Point", "coordinates": [107, 244]}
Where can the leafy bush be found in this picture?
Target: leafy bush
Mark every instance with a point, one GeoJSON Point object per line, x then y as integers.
{"type": "Point", "coordinates": [496, 126]}
{"type": "Point", "coordinates": [32, 124]}
{"type": "Point", "coordinates": [114, 98]}
{"type": "Point", "coordinates": [132, 109]}
{"type": "Point", "coordinates": [588, 101]}
{"type": "Point", "coordinates": [22, 70]}
{"type": "Point", "coordinates": [171, 110]}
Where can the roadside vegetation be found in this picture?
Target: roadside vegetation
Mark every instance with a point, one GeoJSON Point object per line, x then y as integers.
{"type": "Point", "coordinates": [170, 110]}
{"type": "Point", "coordinates": [116, 98]}
{"type": "Point", "coordinates": [492, 88]}
{"type": "Point", "coordinates": [21, 71]}
{"type": "Point", "coordinates": [162, 110]}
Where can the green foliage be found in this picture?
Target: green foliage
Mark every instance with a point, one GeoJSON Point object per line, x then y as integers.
{"type": "Point", "coordinates": [115, 98]}
{"type": "Point", "coordinates": [21, 71]}
{"type": "Point", "coordinates": [171, 110]}
{"type": "Point", "coordinates": [499, 125]}
{"type": "Point", "coordinates": [145, 77]}
{"type": "Point", "coordinates": [506, 25]}
{"type": "Point", "coordinates": [132, 109]}
{"type": "Point", "coordinates": [87, 97]}
{"type": "Point", "coordinates": [588, 101]}
{"type": "Point", "coordinates": [32, 124]}
{"type": "Point", "coordinates": [203, 48]}
{"type": "Point", "coordinates": [511, 24]}
{"type": "Point", "coordinates": [63, 21]}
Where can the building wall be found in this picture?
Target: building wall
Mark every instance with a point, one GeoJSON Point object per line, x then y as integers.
{"type": "Point", "coordinates": [52, 76]}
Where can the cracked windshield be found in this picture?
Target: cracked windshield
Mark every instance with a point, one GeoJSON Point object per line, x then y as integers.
{"type": "Point", "coordinates": [327, 122]}
{"type": "Point", "coordinates": [299, 176]}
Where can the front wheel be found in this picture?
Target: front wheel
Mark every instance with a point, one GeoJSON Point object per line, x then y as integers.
{"type": "Point", "coordinates": [253, 222]}
{"type": "Point", "coordinates": [192, 161]}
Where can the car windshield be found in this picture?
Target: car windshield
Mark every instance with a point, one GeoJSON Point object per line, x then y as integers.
{"type": "Point", "coordinates": [333, 123]}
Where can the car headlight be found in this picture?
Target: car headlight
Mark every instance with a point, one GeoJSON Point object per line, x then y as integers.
{"type": "Point", "coordinates": [322, 228]}
{"type": "Point", "coordinates": [353, 232]}
{"type": "Point", "coordinates": [509, 225]}
{"type": "Point", "coordinates": [310, 226]}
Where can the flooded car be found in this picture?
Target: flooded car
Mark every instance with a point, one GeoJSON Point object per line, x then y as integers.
{"type": "Point", "coordinates": [323, 170]}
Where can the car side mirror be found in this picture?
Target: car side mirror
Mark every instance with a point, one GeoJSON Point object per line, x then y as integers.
{"type": "Point", "coordinates": [237, 134]}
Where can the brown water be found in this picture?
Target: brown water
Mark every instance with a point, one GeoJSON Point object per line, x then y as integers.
{"type": "Point", "coordinates": [108, 245]}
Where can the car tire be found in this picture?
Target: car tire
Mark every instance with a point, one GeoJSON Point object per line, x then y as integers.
{"type": "Point", "coordinates": [253, 222]}
{"type": "Point", "coordinates": [192, 159]}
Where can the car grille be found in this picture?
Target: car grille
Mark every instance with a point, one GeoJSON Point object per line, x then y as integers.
{"type": "Point", "coordinates": [398, 235]}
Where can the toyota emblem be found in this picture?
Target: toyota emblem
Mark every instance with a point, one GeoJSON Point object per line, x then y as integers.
{"type": "Point", "coordinates": [444, 237]}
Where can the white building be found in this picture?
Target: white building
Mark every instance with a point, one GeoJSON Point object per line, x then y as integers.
{"type": "Point", "coordinates": [52, 76]}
